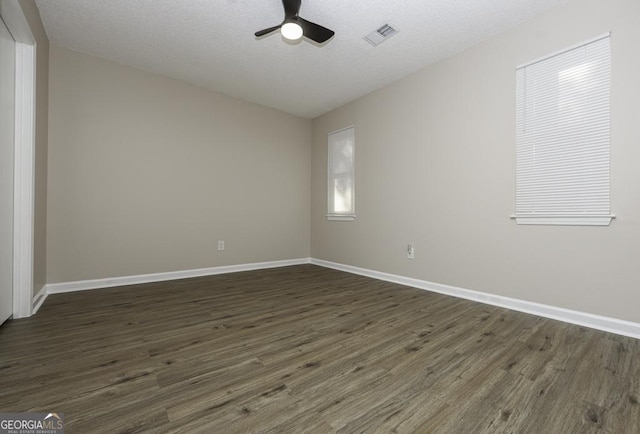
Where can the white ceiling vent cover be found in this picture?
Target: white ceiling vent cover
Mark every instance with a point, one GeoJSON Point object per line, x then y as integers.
{"type": "Point", "coordinates": [385, 31]}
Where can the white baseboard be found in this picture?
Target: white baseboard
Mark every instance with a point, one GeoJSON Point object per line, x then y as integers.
{"type": "Point", "coordinates": [82, 285]}
{"type": "Point", "coordinates": [607, 324]}
{"type": "Point", "coordinates": [39, 299]}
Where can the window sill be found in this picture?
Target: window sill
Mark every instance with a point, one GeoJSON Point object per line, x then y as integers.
{"type": "Point", "coordinates": [601, 220]}
{"type": "Point", "coordinates": [341, 217]}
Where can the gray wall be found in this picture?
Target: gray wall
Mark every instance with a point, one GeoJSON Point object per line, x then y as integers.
{"type": "Point", "coordinates": [146, 173]}
{"type": "Point", "coordinates": [42, 118]}
{"type": "Point", "coordinates": [435, 166]}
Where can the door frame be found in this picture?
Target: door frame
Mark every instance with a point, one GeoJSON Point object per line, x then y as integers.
{"type": "Point", "coordinates": [24, 164]}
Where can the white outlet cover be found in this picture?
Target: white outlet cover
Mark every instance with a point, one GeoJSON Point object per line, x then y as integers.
{"type": "Point", "coordinates": [410, 251]}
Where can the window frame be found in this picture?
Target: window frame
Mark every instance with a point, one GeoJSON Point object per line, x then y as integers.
{"type": "Point", "coordinates": [528, 192]}
{"type": "Point", "coordinates": [332, 175]}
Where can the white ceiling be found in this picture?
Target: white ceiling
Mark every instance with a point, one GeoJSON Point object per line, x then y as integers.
{"type": "Point", "coordinates": [211, 43]}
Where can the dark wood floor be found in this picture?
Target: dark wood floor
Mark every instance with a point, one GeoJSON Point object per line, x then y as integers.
{"type": "Point", "coordinates": [307, 349]}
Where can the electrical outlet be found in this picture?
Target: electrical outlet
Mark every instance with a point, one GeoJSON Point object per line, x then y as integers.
{"type": "Point", "coordinates": [220, 245]}
{"type": "Point", "coordinates": [410, 251]}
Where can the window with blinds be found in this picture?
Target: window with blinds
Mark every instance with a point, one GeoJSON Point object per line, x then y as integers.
{"type": "Point", "coordinates": [341, 176]}
{"type": "Point", "coordinates": [563, 138]}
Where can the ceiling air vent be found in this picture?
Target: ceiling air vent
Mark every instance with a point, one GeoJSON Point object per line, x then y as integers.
{"type": "Point", "coordinates": [382, 34]}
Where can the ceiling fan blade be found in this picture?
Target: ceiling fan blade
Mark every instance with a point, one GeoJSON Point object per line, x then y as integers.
{"type": "Point", "coordinates": [266, 31]}
{"type": "Point", "coordinates": [314, 31]}
{"type": "Point", "coordinates": [291, 8]}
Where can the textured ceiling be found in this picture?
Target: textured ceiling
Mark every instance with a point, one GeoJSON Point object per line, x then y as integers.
{"type": "Point", "coordinates": [211, 43]}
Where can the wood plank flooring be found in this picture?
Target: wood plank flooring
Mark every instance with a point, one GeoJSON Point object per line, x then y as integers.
{"type": "Point", "coordinates": [310, 350]}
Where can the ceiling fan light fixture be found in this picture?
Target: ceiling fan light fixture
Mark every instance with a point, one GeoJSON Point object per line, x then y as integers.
{"type": "Point", "coordinates": [291, 31]}
{"type": "Point", "coordinates": [294, 27]}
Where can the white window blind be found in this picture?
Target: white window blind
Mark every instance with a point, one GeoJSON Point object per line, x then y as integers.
{"type": "Point", "coordinates": [563, 138]}
{"type": "Point", "coordinates": [340, 175]}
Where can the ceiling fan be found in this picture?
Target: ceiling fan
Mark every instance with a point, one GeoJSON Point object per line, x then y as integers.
{"type": "Point", "coordinates": [293, 27]}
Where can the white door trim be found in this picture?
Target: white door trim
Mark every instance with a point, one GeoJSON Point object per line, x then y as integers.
{"type": "Point", "coordinates": [24, 173]}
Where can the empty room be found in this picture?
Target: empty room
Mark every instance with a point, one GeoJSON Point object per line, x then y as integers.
{"type": "Point", "coordinates": [286, 216]}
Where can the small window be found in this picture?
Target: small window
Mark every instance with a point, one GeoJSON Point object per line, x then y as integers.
{"type": "Point", "coordinates": [340, 175]}
{"type": "Point", "coordinates": [563, 137]}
